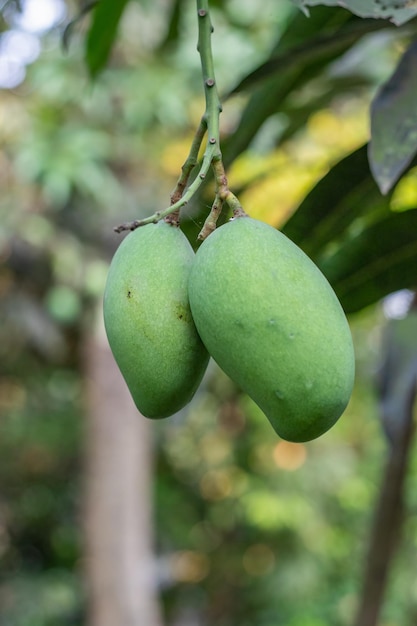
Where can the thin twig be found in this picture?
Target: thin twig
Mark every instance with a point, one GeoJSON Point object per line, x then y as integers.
{"type": "Point", "coordinates": [190, 162]}
{"type": "Point", "coordinates": [186, 170]}
{"type": "Point", "coordinates": [211, 220]}
{"type": "Point", "coordinates": [159, 215]}
{"type": "Point", "coordinates": [181, 195]}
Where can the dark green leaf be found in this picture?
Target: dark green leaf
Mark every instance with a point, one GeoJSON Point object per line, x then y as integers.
{"type": "Point", "coordinates": [394, 123]}
{"type": "Point", "coordinates": [322, 46]}
{"type": "Point", "coordinates": [398, 11]}
{"type": "Point", "coordinates": [381, 259]}
{"type": "Point", "coordinates": [344, 194]}
{"type": "Point", "coordinates": [102, 33]}
{"type": "Point", "coordinates": [269, 97]}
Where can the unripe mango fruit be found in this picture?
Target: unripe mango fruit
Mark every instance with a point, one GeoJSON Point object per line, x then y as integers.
{"type": "Point", "coordinates": [148, 319]}
{"type": "Point", "coordinates": [274, 325]}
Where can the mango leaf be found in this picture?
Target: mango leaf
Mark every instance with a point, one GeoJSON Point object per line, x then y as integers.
{"type": "Point", "coordinates": [394, 122]}
{"type": "Point", "coordinates": [268, 97]}
{"type": "Point", "coordinates": [345, 193]}
{"type": "Point", "coordinates": [330, 88]}
{"type": "Point", "coordinates": [102, 33]}
{"type": "Point", "coordinates": [322, 46]}
{"type": "Point", "coordinates": [397, 11]}
{"type": "Point", "coordinates": [380, 259]}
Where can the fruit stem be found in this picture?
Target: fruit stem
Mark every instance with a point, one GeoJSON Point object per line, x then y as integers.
{"type": "Point", "coordinates": [188, 166]}
{"type": "Point", "coordinates": [211, 220]}
{"type": "Point", "coordinates": [223, 195]}
{"type": "Point", "coordinates": [223, 188]}
{"type": "Point", "coordinates": [210, 123]}
{"type": "Point", "coordinates": [159, 215]}
{"type": "Point", "coordinates": [213, 105]}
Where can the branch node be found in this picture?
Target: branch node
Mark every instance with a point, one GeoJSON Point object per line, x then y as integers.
{"type": "Point", "coordinates": [210, 224]}
{"type": "Point", "coordinates": [173, 219]}
{"type": "Point", "coordinates": [209, 123]}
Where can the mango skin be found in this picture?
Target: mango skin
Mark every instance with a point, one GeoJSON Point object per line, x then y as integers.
{"type": "Point", "coordinates": [274, 325]}
{"type": "Point", "coordinates": [148, 319]}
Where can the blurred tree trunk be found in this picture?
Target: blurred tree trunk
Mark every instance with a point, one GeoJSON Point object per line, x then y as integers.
{"type": "Point", "coordinates": [119, 561]}
{"type": "Point", "coordinates": [397, 396]}
{"type": "Point", "coordinates": [385, 533]}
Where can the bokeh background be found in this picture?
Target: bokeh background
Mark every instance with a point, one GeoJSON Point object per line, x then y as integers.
{"type": "Point", "coordinates": [207, 517]}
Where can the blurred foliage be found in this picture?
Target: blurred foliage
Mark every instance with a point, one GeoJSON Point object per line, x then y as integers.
{"type": "Point", "coordinates": [260, 532]}
{"type": "Point", "coordinates": [399, 11]}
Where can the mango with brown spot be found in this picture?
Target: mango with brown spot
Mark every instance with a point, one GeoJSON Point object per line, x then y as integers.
{"type": "Point", "coordinates": [148, 319]}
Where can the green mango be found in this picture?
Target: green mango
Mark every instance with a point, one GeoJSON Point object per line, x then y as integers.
{"type": "Point", "coordinates": [272, 322]}
{"type": "Point", "coordinates": [148, 319]}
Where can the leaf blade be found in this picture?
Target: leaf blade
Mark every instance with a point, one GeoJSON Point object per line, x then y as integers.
{"type": "Point", "coordinates": [344, 194]}
{"type": "Point", "coordinates": [102, 33]}
{"type": "Point", "coordinates": [321, 46]}
{"type": "Point", "coordinates": [381, 259]}
{"type": "Point", "coordinates": [394, 123]}
{"type": "Point", "coordinates": [268, 97]}
{"type": "Point", "coordinates": [397, 11]}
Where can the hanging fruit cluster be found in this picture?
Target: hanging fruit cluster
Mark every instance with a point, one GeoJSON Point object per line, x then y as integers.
{"type": "Point", "coordinates": [249, 297]}
{"type": "Point", "coordinates": [252, 300]}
